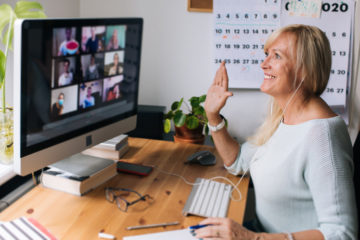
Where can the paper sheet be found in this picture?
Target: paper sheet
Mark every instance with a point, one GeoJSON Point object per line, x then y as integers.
{"type": "Point", "coordinates": [183, 234]}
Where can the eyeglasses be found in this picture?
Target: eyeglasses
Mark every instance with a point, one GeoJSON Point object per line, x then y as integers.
{"type": "Point", "coordinates": [121, 202]}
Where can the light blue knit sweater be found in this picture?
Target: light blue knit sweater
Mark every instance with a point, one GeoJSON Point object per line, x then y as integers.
{"type": "Point", "coordinates": [303, 179]}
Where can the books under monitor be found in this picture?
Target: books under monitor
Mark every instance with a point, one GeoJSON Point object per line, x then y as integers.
{"type": "Point", "coordinates": [114, 148]}
{"type": "Point", "coordinates": [115, 143]}
{"type": "Point", "coordinates": [79, 174]}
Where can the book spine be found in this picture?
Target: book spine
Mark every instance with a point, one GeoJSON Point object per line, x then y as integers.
{"type": "Point", "coordinates": [60, 183]}
{"type": "Point", "coordinates": [123, 150]}
{"type": "Point", "coordinates": [119, 145]}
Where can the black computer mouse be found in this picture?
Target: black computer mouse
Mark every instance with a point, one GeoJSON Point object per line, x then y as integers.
{"type": "Point", "coordinates": [204, 158]}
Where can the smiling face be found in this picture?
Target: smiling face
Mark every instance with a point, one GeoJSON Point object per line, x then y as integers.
{"type": "Point", "coordinates": [279, 67]}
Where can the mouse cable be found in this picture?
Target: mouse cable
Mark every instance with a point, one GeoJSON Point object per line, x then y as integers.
{"type": "Point", "coordinates": [235, 186]}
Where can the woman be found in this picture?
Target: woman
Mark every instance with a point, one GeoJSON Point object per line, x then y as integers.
{"type": "Point", "coordinates": [92, 70]}
{"type": "Point", "coordinates": [116, 68]}
{"type": "Point", "coordinates": [57, 108]}
{"type": "Point", "coordinates": [300, 159]}
{"type": "Point", "coordinates": [113, 93]}
{"type": "Point", "coordinates": [89, 100]}
{"type": "Point", "coordinates": [113, 43]}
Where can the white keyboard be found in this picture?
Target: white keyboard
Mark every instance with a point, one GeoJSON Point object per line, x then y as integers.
{"type": "Point", "coordinates": [208, 199]}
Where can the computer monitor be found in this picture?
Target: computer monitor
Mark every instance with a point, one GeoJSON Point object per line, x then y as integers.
{"type": "Point", "coordinates": [75, 85]}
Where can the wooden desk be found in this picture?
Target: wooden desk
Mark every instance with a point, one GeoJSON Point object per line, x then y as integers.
{"type": "Point", "coordinates": [72, 217]}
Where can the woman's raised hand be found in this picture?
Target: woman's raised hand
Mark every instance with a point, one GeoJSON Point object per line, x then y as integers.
{"type": "Point", "coordinates": [217, 94]}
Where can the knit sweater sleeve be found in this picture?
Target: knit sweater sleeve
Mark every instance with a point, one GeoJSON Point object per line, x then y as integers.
{"type": "Point", "coordinates": [242, 162]}
{"type": "Point", "coordinates": [328, 173]}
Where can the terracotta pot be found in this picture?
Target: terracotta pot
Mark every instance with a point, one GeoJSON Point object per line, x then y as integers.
{"type": "Point", "coordinates": [183, 134]}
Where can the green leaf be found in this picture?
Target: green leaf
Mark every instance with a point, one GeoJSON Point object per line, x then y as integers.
{"type": "Point", "coordinates": [174, 106]}
{"type": "Point", "coordinates": [2, 68]}
{"type": "Point", "coordinates": [194, 101]}
{"type": "Point", "coordinates": [199, 111]}
{"type": "Point", "coordinates": [180, 103]}
{"type": "Point", "coordinates": [167, 125]}
{"type": "Point", "coordinates": [7, 38]}
{"type": "Point", "coordinates": [6, 14]}
{"type": "Point", "coordinates": [32, 15]}
{"type": "Point", "coordinates": [169, 115]}
{"type": "Point", "coordinates": [202, 98]}
{"type": "Point", "coordinates": [25, 9]}
{"type": "Point", "coordinates": [192, 122]}
{"type": "Point", "coordinates": [179, 118]}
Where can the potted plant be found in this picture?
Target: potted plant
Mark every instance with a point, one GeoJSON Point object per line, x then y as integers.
{"type": "Point", "coordinates": [190, 125]}
{"type": "Point", "coordinates": [23, 9]}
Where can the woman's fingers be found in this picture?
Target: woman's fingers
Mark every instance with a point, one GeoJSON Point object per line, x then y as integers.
{"type": "Point", "coordinates": [221, 78]}
{"type": "Point", "coordinates": [218, 93]}
{"type": "Point", "coordinates": [212, 220]}
{"type": "Point", "coordinates": [213, 232]}
{"type": "Point", "coordinates": [219, 228]}
{"type": "Point", "coordinates": [225, 78]}
{"type": "Point", "coordinates": [228, 94]}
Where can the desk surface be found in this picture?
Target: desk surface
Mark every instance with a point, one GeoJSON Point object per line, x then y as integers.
{"type": "Point", "coordinates": [72, 217]}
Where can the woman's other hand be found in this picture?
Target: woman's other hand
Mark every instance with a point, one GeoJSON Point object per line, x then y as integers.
{"type": "Point", "coordinates": [223, 228]}
{"type": "Point", "coordinates": [217, 94]}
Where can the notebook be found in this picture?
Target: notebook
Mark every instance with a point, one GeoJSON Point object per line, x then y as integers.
{"type": "Point", "coordinates": [183, 234]}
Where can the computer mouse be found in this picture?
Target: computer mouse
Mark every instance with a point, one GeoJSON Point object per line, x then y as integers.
{"type": "Point", "coordinates": [204, 158]}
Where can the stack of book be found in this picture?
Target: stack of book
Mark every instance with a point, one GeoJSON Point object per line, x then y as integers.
{"type": "Point", "coordinates": [119, 143]}
{"type": "Point", "coordinates": [78, 174]}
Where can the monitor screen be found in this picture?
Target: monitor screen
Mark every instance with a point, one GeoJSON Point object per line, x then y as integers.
{"type": "Point", "coordinates": [76, 84]}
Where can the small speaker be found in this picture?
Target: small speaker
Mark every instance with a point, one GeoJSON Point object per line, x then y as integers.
{"type": "Point", "coordinates": [149, 122]}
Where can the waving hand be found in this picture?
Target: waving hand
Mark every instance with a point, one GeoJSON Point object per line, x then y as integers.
{"type": "Point", "coordinates": [217, 94]}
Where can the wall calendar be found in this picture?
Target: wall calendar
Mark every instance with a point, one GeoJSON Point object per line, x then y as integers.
{"type": "Point", "coordinates": [241, 28]}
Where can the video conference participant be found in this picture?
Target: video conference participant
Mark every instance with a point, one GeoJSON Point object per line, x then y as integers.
{"type": "Point", "coordinates": [300, 159]}
{"type": "Point", "coordinates": [89, 100]}
{"type": "Point", "coordinates": [92, 71]}
{"type": "Point", "coordinates": [92, 44]}
{"type": "Point", "coordinates": [113, 92]}
{"type": "Point", "coordinates": [63, 48]}
{"type": "Point", "coordinates": [116, 68]}
{"type": "Point", "coordinates": [113, 43]}
{"type": "Point", "coordinates": [66, 77]}
{"type": "Point", "coordinates": [58, 107]}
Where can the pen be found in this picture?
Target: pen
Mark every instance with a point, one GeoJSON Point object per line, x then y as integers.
{"type": "Point", "coordinates": [152, 225]}
{"type": "Point", "coordinates": [198, 226]}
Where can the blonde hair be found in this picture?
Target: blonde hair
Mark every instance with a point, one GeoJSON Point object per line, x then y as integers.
{"type": "Point", "coordinates": [312, 65]}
